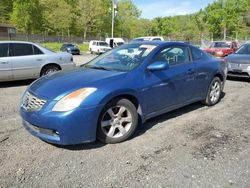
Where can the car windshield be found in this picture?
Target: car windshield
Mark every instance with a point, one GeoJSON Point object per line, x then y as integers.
{"type": "Point", "coordinates": [245, 49]}
{"type": "Point", "coordinates": [103, 44]}
{"type": "Point", "coordinates": [220, 45]}
{"type": "Point", "coordinates": [124, 58]}
{"type": "Point", "coordinates": [70, 45]}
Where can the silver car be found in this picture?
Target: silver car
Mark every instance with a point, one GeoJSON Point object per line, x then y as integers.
{"type": "Point", "coordinates": [26, 60]}
{"type": "Point", "coordinates": [239, 62]}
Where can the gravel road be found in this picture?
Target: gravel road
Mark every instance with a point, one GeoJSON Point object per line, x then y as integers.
{"type": "Point", "coordinates": [83, 58]}
{"type": "Point", "coordinates": [196, 146]}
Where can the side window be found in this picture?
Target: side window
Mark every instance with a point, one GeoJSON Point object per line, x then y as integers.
{"type": "Point", "coordinates": [94, 43]}
{"type": "Point", "coordinates": [37, 51]}
{"type": "Point", "coordinates": [18, 49]}
{"type": "Point", "coordinates": [4, 50]}
{"type": "Point", "coordinates": [173, 55]}
{"type": "Point", "coordinates": [196, 53]}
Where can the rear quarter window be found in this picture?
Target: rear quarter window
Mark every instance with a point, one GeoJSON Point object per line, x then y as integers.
{"type": "Point", "coordinates": [197, 54]}
{"type": "Point", "coordinates": [37, 51]}
{"type": "Point", "coordinates": [4, 50]}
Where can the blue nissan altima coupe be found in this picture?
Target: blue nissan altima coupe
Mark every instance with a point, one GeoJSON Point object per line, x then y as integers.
{"type": "Point", "coordinates": [106, 98]}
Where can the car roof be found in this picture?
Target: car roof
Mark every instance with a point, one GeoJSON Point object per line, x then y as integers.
{"type": "Point", "coordinates": [149, 37]}
{"type": "Point", "coordinates": [21, 42]}
{"type": "Point", "coordinates": [157, 43]}
{"type": "Point", "coordinates": [68, 44]}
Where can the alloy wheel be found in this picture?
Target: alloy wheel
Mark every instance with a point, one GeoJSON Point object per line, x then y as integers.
{"type": "Point", "coordinates": [215, 92]}
{"type": "Point", "coordinates": [116, 122]}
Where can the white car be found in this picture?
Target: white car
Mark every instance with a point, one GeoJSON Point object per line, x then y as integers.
{"type": "Point", "coordinates": [26, 60]}
{"type": "Point", "coordinates": [115, 42]}
{"type": "Point", "coordinates": [155, 38]}
{"type": "Point", "coordinates": [98, 47]}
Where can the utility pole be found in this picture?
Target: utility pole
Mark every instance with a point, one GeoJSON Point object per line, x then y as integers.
{"type": "Point", "coordinates": [225, 26]}
{"type": "Point", "coordinates": [113, 18]}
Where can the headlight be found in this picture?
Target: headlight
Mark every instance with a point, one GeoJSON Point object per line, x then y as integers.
{"type": "Point", "coordinates": [219, 53]}
{"type": "Point", "coordinates": [73, 100]}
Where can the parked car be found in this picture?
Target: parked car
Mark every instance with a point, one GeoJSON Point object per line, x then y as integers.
{"type": "Point", "coordinates": [26, 60]}
{"type": "Point", "coordinates": [239, 62]}
{"type": "Point", "coordinates": [222, 49]}
{"type": "Point", "coordinates": [155, 38]}
{"type": "Point", "coordinates": [98, 47]}
{"type": "Point", "coordinates": [106, 98]}
{"type": "Point", "coordinates": [115, 42]}
{"type": "Point", "coordinates": [70, 48]}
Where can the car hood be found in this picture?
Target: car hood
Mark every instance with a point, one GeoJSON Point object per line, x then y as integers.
{"type": "Point", "coordinates": [60, 84]}
{"type": "Point", "coordinates": [238, 58]}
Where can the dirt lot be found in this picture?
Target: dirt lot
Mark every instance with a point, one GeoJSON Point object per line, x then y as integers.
{"type": "Point", "coordinates": [195, 146]}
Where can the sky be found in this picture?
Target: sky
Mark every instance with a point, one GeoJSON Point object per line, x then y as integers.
{"type": "Point", "coordinates": [160, 8]}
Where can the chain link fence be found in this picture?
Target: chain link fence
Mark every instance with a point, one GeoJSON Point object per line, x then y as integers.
{"type": "Point", "coordinates": [38, 38]}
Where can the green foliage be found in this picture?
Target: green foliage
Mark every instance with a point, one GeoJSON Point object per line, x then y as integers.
{"type": "Point", "coordinates": [27, 15]}
{"type": "Point", "coordinates": [88, 19]}
{"type": "Point", "coordinates": [54, 46]}
{"type": "Point", "coordinates": [5, 10]}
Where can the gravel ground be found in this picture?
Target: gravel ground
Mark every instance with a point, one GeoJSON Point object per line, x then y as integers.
{"type": "Point", "coordinates": [83, 58]}
{"type": "Point", "coordinates": [196, 146]}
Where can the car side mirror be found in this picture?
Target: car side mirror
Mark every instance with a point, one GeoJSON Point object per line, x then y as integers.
{"type": "Point", "coordinates": [158, 66]}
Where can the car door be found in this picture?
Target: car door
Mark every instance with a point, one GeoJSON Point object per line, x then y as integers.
{"type": "Point", "coordinates": [5, 64]}
{"type": "Point", "coordinates": [174, 86]}
{"type": "Point", "coordinates": [25, 63]}
{"type": "Point", "coordinates": [202, 67]}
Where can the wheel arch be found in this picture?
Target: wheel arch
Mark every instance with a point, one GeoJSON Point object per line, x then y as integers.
{"type": "Point", "coordinates": [129, 96]}
{"type": "Point", "coordinates": [48, 64]}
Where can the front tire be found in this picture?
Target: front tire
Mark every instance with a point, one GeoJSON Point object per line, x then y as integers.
{"type": "Point", "coordinates": [117, 122]}
{"type": "Point", "coordinates": [214, 92]}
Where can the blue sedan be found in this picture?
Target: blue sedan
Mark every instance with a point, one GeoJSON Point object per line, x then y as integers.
{"type": "Point", "coordinates": [106, 98]}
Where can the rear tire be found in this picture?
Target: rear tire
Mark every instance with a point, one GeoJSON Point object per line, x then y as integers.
{"type": "Point", "coordinates": [117, 121]}
{"type": "Point", "coordinates": [214, 92]}
{"type": "Point", "coordinates": [49, 69]}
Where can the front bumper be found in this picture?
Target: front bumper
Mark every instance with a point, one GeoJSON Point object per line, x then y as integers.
{"type": "Point", "coordinates": [74, 52]}
{"type": "Point", "coordinates": [67, 128]}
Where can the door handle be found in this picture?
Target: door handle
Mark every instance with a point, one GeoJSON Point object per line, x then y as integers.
{"type": "Point", "coordinates": [39, 59]}
{"type": "Point", "coordinates": [4, 63]}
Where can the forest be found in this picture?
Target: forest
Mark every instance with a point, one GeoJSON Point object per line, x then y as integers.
{"type": "Point", "coordinates": [222, 19]}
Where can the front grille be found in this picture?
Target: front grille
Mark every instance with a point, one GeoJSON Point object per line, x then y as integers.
{"type": "Point", "coordinates": [32, 103]}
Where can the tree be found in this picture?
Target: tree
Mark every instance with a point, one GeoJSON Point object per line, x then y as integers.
{"type": "Point", "coordinates": [5, 10]}
{"type": "Point", "coordinates": [27, 16]}
{"type": "Point", "coordinates": [58, 16]}
{"type": "Point", "coordinates": [127, 19]}
{"type": "Point", "coordinates": [90, 15]}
